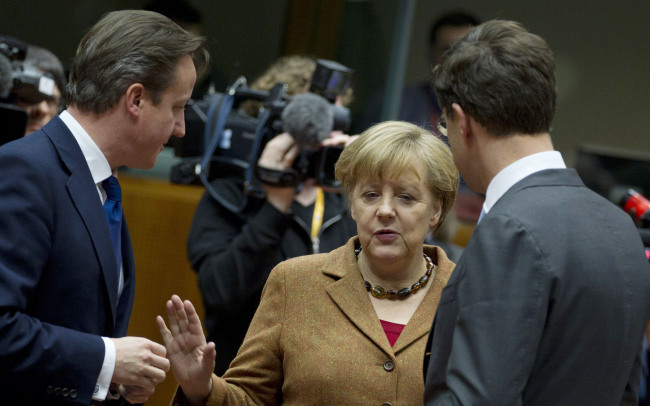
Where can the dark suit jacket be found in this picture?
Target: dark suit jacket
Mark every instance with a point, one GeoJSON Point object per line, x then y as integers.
{"type": "Point", "coordinates": [316, 339]}
{"type": "Point", "coordinates": [56, 256]}
{"type": "Point", "coordinates": [547, 305]}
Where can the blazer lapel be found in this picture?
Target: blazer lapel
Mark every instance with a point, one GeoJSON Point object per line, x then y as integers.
{"type": "Point", "coordinates": [83, 193]}
{"type": "Point", "coordinates": [350, 295]}
{"type": "Point", "coordinates": [422, 320]}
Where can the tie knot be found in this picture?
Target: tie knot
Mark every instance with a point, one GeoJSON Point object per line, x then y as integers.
{"type": "Point", "coordinates": [112, 189]}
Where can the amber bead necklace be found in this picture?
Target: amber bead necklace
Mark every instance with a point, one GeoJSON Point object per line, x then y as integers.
{"type": "Point", "coordinates": [381, 293]}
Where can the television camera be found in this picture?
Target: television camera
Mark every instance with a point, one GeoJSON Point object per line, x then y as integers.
{"type": "Point", "coordinates": [19, 82]}
{"type": "Point", "coordinates": [223, 141]}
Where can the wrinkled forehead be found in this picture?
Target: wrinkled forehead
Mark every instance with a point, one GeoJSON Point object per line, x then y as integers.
{"type": "Point", "coordinates": [390, 171]}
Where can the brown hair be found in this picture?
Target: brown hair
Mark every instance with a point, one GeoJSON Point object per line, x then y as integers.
{"type": "Point", "coordinates": [501, 75]}
{"type": "Point", "coordinates": [127, 47]}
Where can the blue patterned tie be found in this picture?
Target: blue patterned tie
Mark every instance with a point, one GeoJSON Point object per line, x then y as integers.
{"type": "Point", "coordinates": [113, 210]}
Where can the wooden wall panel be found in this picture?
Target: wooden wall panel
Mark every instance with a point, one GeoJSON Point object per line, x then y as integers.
{"type": "Point", "coordinates": [159, 214]}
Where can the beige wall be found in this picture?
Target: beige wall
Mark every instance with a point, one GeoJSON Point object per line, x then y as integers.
{"type": "Point", "coordinates": [602, 51]}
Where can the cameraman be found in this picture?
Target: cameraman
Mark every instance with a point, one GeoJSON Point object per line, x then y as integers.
{"type": "Point", "coordinates": [233, 253]}
{"type": "Point", "coordinates": [39, 114]}
{"type": "Point", "coordinates": [32, 79]}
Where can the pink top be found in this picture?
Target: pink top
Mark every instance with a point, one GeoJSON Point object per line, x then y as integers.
{"type": "Point", "coordinates": [392, 330]}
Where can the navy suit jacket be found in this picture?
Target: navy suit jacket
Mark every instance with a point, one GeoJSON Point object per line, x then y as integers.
{"type": "Point", "coordinates": [58, 284]}
{"type": "Point", "coordinates": [547, 304]}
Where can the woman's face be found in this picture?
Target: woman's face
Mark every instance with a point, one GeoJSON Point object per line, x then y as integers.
{"type": "Point", "coordinates": [394, 215]}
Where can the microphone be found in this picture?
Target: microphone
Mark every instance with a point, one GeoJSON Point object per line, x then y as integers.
{"type": "Point", "coordinates": [636, 206]}
{"type": "Point", "coordinates": [309, 118]}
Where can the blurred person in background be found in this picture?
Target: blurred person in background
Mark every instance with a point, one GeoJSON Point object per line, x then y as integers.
{"type": "Point", "coordinates": [39, 114]}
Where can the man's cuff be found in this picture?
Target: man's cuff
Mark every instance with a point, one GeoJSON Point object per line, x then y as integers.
{"type": "Point", "coordinates": [106, 373]}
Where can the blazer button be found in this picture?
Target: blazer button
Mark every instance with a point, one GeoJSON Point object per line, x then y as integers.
{"type": "Point", "coordinates": [57, 391]}
{"type": "Point", "coordinates": [73, 393]}
{"type": "Point", "coordinates": [389, 365]}
{"type": "Point", "coordinates": [65, 392]}
{"type": "Point", "coordinates": [50, 390]}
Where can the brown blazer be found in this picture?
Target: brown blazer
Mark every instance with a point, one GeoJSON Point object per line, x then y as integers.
{"type": "Point", "coordinates": [316, 339]}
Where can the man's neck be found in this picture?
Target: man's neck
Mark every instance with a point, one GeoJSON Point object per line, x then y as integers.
{"type": "Point", "coordinates": [103, 130]}
{"type": "Point", "coordinates": [496, 153]}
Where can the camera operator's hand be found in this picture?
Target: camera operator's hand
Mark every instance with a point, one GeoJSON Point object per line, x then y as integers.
{"type": "Point", "coordinates": [337, 138]}
{"type": "Point", "coordinates": [279, 153]}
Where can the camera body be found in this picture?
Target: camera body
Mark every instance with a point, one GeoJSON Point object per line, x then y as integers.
{"type": "Point", "coordinates": [223, 141]}
{"type": "Point", "coordinates": [19, 82]}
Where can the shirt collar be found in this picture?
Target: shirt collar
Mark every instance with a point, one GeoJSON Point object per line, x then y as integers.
{"type": "Point", "coordinates": [97, 163]}
{"type": "Point", "coordinates": [517, 171]}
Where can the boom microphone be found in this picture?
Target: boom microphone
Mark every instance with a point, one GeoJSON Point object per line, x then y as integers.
{"type": "Point", "coordinates": [309, 119]}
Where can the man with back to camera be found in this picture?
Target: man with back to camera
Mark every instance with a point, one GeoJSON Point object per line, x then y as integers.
{"type": "Point", "coordinates": [66, 288]}
{"type": "Point", "coordinates": [549, 301]}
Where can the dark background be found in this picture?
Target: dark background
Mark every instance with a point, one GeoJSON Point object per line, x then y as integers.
{"type": "Point", "coordinates": [602, 48]}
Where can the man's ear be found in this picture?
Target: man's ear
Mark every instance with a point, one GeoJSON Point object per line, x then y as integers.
{"type": "Point", "coordinates": [133, 99]}
{"type": "Point", "coordinates": [464, 123]}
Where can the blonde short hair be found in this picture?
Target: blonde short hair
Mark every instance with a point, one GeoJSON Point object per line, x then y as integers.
{"type": "Point", "coordinates": [389, 149]}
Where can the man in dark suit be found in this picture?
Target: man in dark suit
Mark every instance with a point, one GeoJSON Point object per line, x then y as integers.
{"type": "Point", "coordinates": [66, 290]}
{"type": "Point", "coordinates": [550, 299]}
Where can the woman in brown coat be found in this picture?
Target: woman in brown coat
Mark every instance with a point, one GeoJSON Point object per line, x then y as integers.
{"type": "Point", "coordinates": [348, 327]}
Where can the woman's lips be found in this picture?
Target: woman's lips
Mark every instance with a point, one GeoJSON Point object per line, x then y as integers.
{"type": "Point", "coordinates": [386, 235]}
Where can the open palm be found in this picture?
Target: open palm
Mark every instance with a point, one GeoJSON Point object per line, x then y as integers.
{"type": "Point", "coordinates": [191, 358]}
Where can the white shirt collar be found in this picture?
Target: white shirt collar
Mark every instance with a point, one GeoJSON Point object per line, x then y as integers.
{"type": "Point", "coordinates": [518, 170]}
{"type": "Point", "coordinates": [97, 163]}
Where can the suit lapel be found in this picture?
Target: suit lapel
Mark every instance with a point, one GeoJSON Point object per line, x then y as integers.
{"type": "Point", "coordinates": [83, 193]}
{"type": "Point", "coordinates": [422, 320]}
{"type": "Point", "coordinates": [351, 297]}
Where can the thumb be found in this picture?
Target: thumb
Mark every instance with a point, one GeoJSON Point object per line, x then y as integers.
{"type": "Point", "coordinates": [209, 356]}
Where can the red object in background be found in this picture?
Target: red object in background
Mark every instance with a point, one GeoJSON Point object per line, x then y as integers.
{"type": "Point", "coordinates": [638, 207]}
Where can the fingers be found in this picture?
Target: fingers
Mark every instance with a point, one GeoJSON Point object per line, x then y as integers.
{"type": "Point", "coordinates": [173, 318]}
{"type": "Point", "coordinates": [139, 362]}
{"type": "Point", "coordinates": [209, 356]}
{"type": "Point", "coordinates": [135, 394]}
{"type": "Point", "coordinates": [161, 363]}
{"type": "Point", "coordinates": [337, 138]}
{"type": "Point", "coordinates": [158, 349]}
{"type": "Point", "coordinates": [181, 314]}
{"type": "Point", "coordinates": [279, 153]}
{"type": "Point", "coordinates": [193, 318]}
{"type": "Point", "coordinates": [291, 155]}
{"type": "Point", "coordinates": [164, 331]}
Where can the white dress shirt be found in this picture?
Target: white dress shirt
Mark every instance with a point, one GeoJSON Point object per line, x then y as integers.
{"type": "Point", "coordinates": [100, 169]}
{"type": "Point", "coordinates": [517, 171]}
